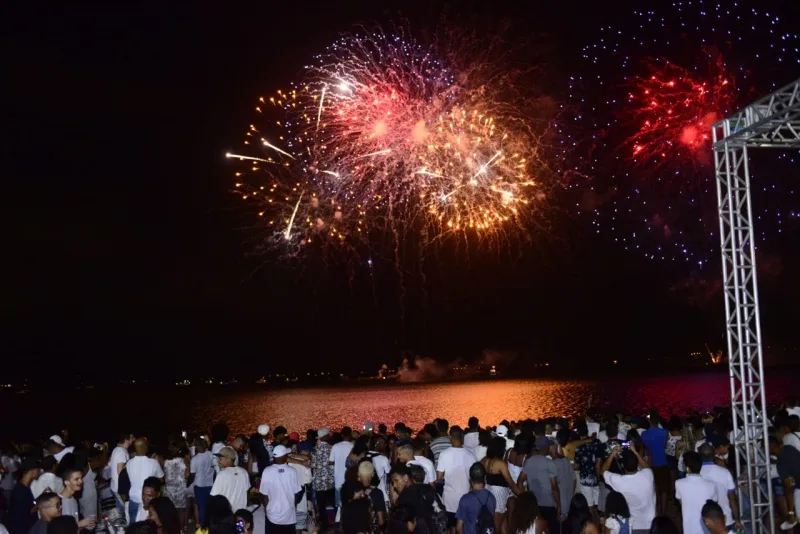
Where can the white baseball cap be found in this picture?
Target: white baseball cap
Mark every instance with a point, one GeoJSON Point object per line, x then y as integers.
{"type": "Point", "coordinates": [502, 431]}
{"type": "Point", "coordinates": [322, 432]}
{"type": "Point", "coordinates": [57, 439]}
{"type": "Point", "coordinates": [263, 429]}
{"type": "Point", "coordinates": [280, 451]}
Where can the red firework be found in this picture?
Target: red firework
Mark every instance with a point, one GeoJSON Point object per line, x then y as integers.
{"type": "Point", "coordinates": [673, 111]}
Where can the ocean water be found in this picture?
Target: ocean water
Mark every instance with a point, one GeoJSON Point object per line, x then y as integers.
{"type": "Point", "coordinates": [93, 413]}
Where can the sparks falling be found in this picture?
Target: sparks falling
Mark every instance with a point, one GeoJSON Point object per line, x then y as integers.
{"type": "Point", "coordinates": [673, 111]}
{"type": "Point", "coordinates": [646, 94]}
{"type": "Point", "coordinates": [383, 136]}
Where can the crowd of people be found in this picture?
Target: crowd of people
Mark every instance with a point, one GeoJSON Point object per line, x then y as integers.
{"type": "Point", "coordinates": [612, 473]}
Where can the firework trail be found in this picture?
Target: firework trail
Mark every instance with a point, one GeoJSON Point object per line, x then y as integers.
{"type": "Point", "coordinates": [385, 137]}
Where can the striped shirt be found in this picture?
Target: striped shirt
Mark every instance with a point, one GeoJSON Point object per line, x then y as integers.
{"type": "Point", "coordinates": [438, 445]}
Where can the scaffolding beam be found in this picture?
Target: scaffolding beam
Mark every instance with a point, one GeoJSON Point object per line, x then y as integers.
{"type": "Point", "coordinates": [774, 122]}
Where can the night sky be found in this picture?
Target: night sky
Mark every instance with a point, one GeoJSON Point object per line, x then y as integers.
{"type": "Point", "coordinates": [123, 245]}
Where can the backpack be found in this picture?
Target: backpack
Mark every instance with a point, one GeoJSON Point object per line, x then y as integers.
{"type": "Point", "coordinates": [376, 527]}
{"type": "Point", "coordinates": [485, 518]}
{"type": "Point", "coordinates": [437, 522]}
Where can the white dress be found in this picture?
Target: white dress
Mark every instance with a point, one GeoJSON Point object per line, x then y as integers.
{"type": "Point", "coordinates": [175, 481]}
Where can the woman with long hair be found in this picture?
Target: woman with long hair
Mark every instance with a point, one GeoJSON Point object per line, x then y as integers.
{"type": "Point", "coordinates": [663, 525]}
{"type": "Point", "coordinates": [579, 519]}
{"type": "Point", "coordinates": [523, 516]}
{"type": "Point", "coordinates": [218, 510]}
{"type": "Point", "coordinates": [163, 513]}
{"type": "Point", "coordinates": [498, 478]}
{"type": "Point", "coordinates": [618, 515]}
{"type": "Point", "coordinates": [685, 444]}
{"type": "Point", "coordinates": [518, 454]}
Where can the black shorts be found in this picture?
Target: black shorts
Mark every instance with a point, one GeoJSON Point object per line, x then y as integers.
{"type": "Point", "coordinates": [661, 479]}
{"type": "Point", "coordinates": [451, 520]}
{"type": "Point", "coordinates": [272, 528]}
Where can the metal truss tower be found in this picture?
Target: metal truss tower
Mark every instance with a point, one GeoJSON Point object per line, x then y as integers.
{"type": "Point", "coordinates": [774, 122]}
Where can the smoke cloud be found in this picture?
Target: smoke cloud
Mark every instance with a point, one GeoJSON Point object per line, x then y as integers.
{"type": "Point", "coordinates": [423, 369]}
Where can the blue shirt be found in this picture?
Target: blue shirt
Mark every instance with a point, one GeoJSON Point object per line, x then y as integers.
{"type": "Point", "coordinates": [470, 506]}
{"type": "Point", "coordinates": [656, 440]}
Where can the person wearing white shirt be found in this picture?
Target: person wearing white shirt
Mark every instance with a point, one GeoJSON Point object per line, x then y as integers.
{"type": "Point", "coordinates": [201, 476]}
{"type": "Point", "coordinates": [232, 482]}
{"type": "Point", "coordinates": [612, 429]}
{"type": "Point", "coordinates": [453, 468]}
{"type": "Point", "coordinates": [47, 479]}
{"type": "Point", "coordinates": [55, 446]}
{"type": "Point", "coordinates": [339, 454]}
{"type": "Point", "coordinates": [116, 463]}
{"type": "Point", "coordinates": [140, 468]}
{"type": "Point", "coordinates": [722, 479]}
{"type": "Point", "coordinates": [10, 462]}
{"type": "Point", "coordinates": [304, 479]}
{"type": "Point", "coordinates": [637, 486]}
{"type": "Point", "coordinates": [381, 463]}
{"type": "Point", "coordinates": [502, 432]}
{"type": "Point", "coordinates": [791, 431]}
{"type": "Point", "coordinates": [151, 488]}
{"type": "Point", "coordinates": [406, 453]}
{"type": "Point", "coordinates": [792, 406]}
{"type": "Point", "coordinates": [282, 492]}
{"type": "Point", "coordinates": [693, 492]}
{"type": "Point", "coordinates": [471, 435]}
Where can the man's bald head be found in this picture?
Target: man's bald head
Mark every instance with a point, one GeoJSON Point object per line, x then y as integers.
{"type": "Point", "coordinates": [140, 446]}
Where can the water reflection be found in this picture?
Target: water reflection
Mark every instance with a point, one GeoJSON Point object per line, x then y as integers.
{"type": "Point", "coordinates": [490, 401]}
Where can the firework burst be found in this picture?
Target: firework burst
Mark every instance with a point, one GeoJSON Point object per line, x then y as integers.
{"type": "Point", "coordinates": [383, 136]}
{"type": "Point", "coordinates": [649, 88]}
{"type": "Point", "coordinates": [674, 110]}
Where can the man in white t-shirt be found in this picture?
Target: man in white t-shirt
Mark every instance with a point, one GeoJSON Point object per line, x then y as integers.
{"type": "Point", "coordinates": [408, 454]}
{"type": "Point", "coordinates": [150, 490]}
{"type": "Point", "coordinates": [304, 479]}
{"type": "Point", "coordinates": [282, 492]}
{"type": "Point", "coordinates": [472, 434]}
{"type": "Point", "coordinates": [722, 479]}
{"type": "Point", "coordinates": [47, 481]}
{"type": "Point", "coordinates": [116, 463]}
{"type": "Point", "coordinates": [612, 429]}
{"type": "Point", "coordinates": [232, 482]}
{"type": "Point", "coordinates": [139, 468]}
{"type": "Point", "coordinates": [55, 446]}
{"type": "Point", "coordinates": [637, 486]}
{"type": "Point", "coordinates": [339, 454]}
{"type": "Point", "coordinates": [380, 461]}
{"type": "Point", "coordinates": [453, 468]}
{"type": "Point", "coordinates": [792, 406]}
{"type": "Point", "coordinates": [693, 492]}
{"type": "Point", "coordinates": [502, 432]}
{"type": "Point", "coordinates": [201, 475]}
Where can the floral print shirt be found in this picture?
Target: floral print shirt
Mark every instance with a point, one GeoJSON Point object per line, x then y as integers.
{"type": "Point", "coordinates": [321, 468]}
{"type": "Point", "coordinates": [585, 457]}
